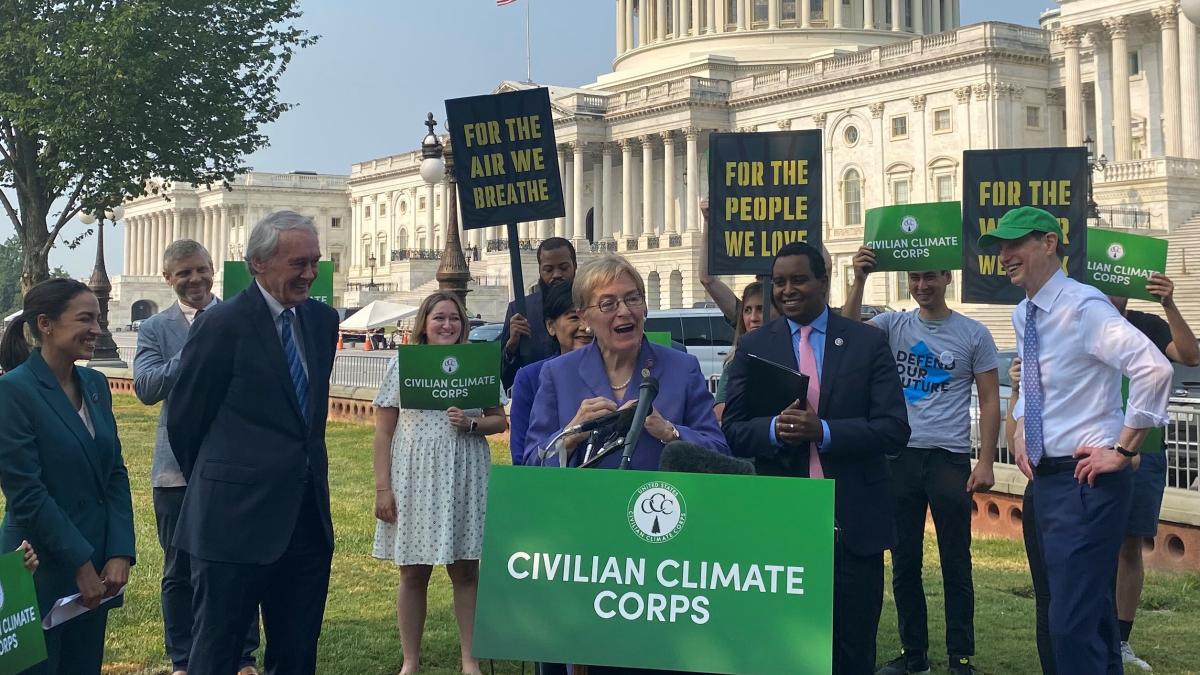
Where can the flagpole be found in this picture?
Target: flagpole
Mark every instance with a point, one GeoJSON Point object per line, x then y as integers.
{"type": "Point", "coordinates": [528, 52]}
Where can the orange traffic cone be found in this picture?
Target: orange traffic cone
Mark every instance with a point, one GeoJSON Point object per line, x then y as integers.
{"type": "Point", "coordinates": [340, 346]}
{"type": "Point", "coordinates": [367, 344]}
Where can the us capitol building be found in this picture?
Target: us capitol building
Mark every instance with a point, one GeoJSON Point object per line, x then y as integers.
{"type": "Point", "coordinates": [898, 88]}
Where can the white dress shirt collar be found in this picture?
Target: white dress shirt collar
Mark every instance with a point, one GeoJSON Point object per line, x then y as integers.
{"type": "Point", "coordinates": [1050, 291]}
{"type": "Point", "coordinates": [274, 305]}
{"type": "Point", "coordinates": [189, 312]}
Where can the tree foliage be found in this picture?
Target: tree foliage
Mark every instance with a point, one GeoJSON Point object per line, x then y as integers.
{"type": "Point", "coordinates": [10, 276]}
{"type": "Point", "coordinates": [99, 96]}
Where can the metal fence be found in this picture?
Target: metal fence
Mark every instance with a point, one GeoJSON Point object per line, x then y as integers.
{"type": "Point", "coordinates": [1182, 444]}
{"type": "Point", "coordinates": [351, 370]}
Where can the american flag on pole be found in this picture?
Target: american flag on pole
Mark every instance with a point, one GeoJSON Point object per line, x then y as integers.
{"type": "Point", "coordinates": [501, 3]}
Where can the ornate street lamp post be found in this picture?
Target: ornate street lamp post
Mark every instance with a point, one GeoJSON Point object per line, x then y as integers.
{"type": "Point", "coordinates": [453, 274]}
{"type": "Point", "coordinates": [371, 261]}
{"type": "Point", "coordinates": [1094, 164]}
{"type": "Point", "coordinates": [106, 354]}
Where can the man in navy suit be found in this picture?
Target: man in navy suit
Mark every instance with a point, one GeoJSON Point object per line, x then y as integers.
{"type": "Point", "coordinates": [524, 338]}
{"type": "Point", "coordinates": [247, 425]}
{"type": "Point", "coordinates": [854, 417]}
{"type": "Point", "coordinates": [188, 270]}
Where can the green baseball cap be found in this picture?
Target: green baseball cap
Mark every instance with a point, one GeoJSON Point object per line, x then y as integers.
{"type": "Point", "coordinates": [1020, 222]}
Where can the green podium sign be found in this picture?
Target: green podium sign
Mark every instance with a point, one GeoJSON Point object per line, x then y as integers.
{"type": "Point", "coordinates": [719, 574]}
{"type": "Point", "coordinates": [21, 641]}
{"type": "Point", "coordinates": [436, 377]}
{"type": "Point", "coordinates": [237, 279]}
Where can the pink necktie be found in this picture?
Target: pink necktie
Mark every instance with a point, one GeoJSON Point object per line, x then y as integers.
{"type": "Point", "coordinates": [808, 366]}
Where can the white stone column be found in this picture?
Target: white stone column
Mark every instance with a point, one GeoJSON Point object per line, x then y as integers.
{"type": "Point", "coordinates": [1118, 29]}
{"type": "Point", "coordinates": [430, 213]}
{"type": "Point", "coordinates": [643, 33]}
{"type": "Point", "coordinates": [918, 11]}
{"type": "Point", "coordinates": [669, 223]}
{"type": "Point", "coordinates": [568, 221]}
{"type": "Point", "coordinates": [604, 212]}
{"type": "Point", "coordinates": [621, 27]}
{"type": "Point", "coordinates": [869, 14]}
{"type": "Point", "coordinates": [1167, 17]}
{"type": "Point", "coordinates": [710, 17]}
{"type": "Point", "coordinates": [697, 17]}
{"type": "Point", "coordinates": [660, 21]}
{"type": "Point", "coordinates": [693, 180]}
{"type": "Point", "coordinates": [897, 19]}
{"type": "Point", "coordinates": [127, 248]}
{"type": "Point", "coordinates": [1190, 89]}
{"type": "Point", "coordinates": [773, 14]}
{"type": "Point", "coordinates": [805, 13]}
{"type": "Point", "coordinates": [838, 21]}
{"type": "Point", "coordinates": [626, 187]}
{"type": "Point", "coordinates": [579, 214]}
{"type": "Point", "coordinates": [743, 22]}
{"type": "Point", "coordinates": [628, 25]}
{"type": "Point", "coordinates": [156, 246]}
{"type": "Point", "coordinates": [1069, 37]}
{"type": "Point", "coordinates": [648, 224]}
{"type": "Point", "coordinates": [936, 18]}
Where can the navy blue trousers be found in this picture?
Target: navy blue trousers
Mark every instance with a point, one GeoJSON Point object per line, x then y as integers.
{"type": "Point", "coordinates": [1080, 530]}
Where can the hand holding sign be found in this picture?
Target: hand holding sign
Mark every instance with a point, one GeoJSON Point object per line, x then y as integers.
{"type": "Point", "coordinates": [30, 560]}
{"type": "Point", "coordinates": [864, 263]}
{"type": "Point", "coordinates": [518, 327]}
{"type": "Point", "coordinates": [1161, 285]}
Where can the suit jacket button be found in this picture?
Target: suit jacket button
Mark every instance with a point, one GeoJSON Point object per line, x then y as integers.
{"type": "Point", "coordinates": [100, 502]}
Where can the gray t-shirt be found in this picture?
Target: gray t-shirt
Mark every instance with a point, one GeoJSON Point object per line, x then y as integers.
{"type": "Point", "coordinates": [937, 362]}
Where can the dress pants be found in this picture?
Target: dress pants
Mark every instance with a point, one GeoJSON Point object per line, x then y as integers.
{"type": "Point", "coordinates": [857, 603]}
{"type": "Point", "coordinates": [291, 591]}
{"type": "Point", "coordinates": [934, 480]}
{"type": "Point", "coordinates": [176, 594]}
{"type": "Point", "coordinates": [1080, 530]}
{"type": "Point", "coordinates": [75, 647]}
{"type": "Point", "coordinates": [1041, 585]}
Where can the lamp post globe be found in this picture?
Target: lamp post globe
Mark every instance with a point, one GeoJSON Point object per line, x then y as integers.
{"type": "Point", "coordinates": [1191, 10]}
{"type": "Point", "coordinates": [87, 218]}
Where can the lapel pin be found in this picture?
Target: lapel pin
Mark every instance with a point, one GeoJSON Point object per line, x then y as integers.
{"type": "Point", "coordinates": [838, 342]}
{"type": "Point", "coordinates": [646, 371]}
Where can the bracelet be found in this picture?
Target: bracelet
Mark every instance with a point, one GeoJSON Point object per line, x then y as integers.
{"type": "Point", "coordinates": [386, 489]}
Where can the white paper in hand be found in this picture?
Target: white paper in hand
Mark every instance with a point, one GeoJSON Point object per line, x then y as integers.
{"type": "Point", "coordinates": [65, 609]}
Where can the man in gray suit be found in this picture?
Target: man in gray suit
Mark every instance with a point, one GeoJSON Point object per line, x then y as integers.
{"type": "Point", "coordinates": [188, 269]}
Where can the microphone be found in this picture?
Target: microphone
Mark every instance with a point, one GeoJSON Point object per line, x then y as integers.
{"type": "Point", "coordinates": [684, 457]}
{"type": "Point", "coordinates": [646, 393]}
{"type": "Point", "coordinates": [621, 417]}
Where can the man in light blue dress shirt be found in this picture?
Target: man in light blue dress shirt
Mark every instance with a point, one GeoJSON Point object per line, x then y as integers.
{"type": "Point", "coordinates": [1072, 440]}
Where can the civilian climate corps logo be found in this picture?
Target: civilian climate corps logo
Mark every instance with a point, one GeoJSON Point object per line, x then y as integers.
{"type": "Point", "coordinates": [1116, 251]}
{"type": "Point", "coordinates": [449, 365]}
{"type": "Point", "coordinates": [909, 224]}
{"type": "Point", "coordinates": [657, 512]}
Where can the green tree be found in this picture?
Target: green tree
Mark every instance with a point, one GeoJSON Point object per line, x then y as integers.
{"type": "Point", "coordinates": [10, 276]}
{"type": "Point", "coordinates": [99, 96]}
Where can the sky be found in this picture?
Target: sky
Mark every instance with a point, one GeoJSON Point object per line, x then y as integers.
{"type": "Point", "coordinates": [380, 65]}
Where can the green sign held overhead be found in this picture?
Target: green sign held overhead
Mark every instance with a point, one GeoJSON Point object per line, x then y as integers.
{"type": "Point", "coordinates": [237, 279]}
{"type": "Point", "coordinates": [21, 641]}
{"type": "Point", "coordinates": [915, 237]}
{"type": "Point", "coordinates": [660, 338]}
{"type": "Point", "coordinates": [437, 377]}
{"type": "Point", "coordinates": [699, 572]}
{"type": "Point", "coordinates": [1120, 264]}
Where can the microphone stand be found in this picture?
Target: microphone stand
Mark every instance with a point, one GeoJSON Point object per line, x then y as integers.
{"type": "Point", "coordinates": [648, 390]}
{"type": "Point", "coordinates": [556, 443]}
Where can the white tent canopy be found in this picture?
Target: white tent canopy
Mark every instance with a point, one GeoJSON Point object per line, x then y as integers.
{"type": "Point", "coordinates": [377, 315]}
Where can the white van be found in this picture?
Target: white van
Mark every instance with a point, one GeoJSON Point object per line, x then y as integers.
{"type": "Point", "coordinates": [704, 332]}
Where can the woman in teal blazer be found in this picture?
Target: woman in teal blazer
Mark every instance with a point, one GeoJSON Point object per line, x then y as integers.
{"type": "Point", "coordinates": [64, 481]}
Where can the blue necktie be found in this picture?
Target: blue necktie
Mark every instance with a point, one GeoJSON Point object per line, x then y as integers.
{"type": "Point", "coordinates": [295, 367]}
{"type": "Point", "coordinates": [1031, 378]}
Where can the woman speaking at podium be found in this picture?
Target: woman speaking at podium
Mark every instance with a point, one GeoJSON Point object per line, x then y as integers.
{"type": "Point", "coordinates": [607, 375]}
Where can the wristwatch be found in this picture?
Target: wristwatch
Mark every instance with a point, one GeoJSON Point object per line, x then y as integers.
{"type": "Point", "coordinates": [474, 425]}
{"type": "Point", "coordinates": [674, 433]}
{"type": "Point", "coordinates": [1121, 449]}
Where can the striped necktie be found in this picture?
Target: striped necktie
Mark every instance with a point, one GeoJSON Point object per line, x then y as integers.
{"type": "Point", "coordinates": [295, 366]}
{"type": "Point", "coordinates": [1031, 379]}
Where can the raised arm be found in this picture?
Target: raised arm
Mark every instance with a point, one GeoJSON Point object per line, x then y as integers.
{"type": "Point", "coordinates": [154, 373]}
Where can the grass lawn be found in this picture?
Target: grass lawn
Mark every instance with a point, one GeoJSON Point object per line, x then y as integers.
{"type": "Point", "coordinates": [360, 633]}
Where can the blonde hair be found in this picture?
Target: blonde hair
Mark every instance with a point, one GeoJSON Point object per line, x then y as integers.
{"type": "Point", "coordinates": [420, 336]}
{"type": "Point", "coordinates": [600, 272]}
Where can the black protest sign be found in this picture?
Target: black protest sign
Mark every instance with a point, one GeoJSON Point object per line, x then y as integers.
{"type": "Point", "coordinates": [505, 158]}
{"type": "Point", "coordinates": [997, 181]}
{"type": "Point", "coordinates": [764, 191]}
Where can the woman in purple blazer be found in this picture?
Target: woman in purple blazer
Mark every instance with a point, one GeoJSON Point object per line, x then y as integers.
{"type": "Point", "coordinates": [604, 376]}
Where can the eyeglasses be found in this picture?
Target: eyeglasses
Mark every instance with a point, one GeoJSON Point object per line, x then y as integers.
{"type": "Point", "coordinates": [609, 305]}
